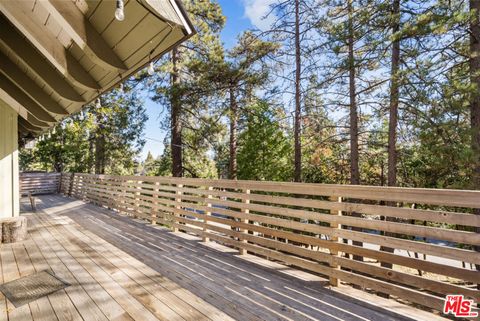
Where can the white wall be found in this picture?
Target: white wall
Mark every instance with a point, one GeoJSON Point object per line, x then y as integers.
{"type": "Point", "coordinates": [9, 192]}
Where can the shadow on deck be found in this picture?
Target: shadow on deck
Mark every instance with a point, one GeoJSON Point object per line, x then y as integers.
{"type": "Point", "coordinates": [148, 272]}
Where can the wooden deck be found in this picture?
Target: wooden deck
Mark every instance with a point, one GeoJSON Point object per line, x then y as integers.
{"type": "Point", "coordinates": [124, 269]}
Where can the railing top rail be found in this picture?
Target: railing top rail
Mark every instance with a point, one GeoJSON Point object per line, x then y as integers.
{"type": "Point", "coordinates": [34, 174]}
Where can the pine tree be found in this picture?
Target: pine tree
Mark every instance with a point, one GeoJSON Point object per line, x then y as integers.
{"type": "Point", "coordinates": [101, 140]}
{"type": "Point", "coordinates": [179, 85]}
{"type": "Point", "coordinates": [294, 28]}
{"type": "Point", "coordinates": [244, 71]}
{"type": "Point", "coordinates": [265, 149]}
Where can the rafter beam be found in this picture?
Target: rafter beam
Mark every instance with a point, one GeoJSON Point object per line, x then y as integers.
{"type": "Point", "coordinates": [23, 130]}
{"type": "Point", "coordinates": [21, 15]}
{"type": "Point", "coordinates": [77, 26]}
{"type": "Point", "coordinates": [32, 120]}
{"type": "Point", "coordinates": [16, 75]}
{"type": "Point", "coordinates": [24, 51]}
{"type": "Point", "coordinates": [29, 126]}
{"type": "Point", "coordinates": [17, 96]}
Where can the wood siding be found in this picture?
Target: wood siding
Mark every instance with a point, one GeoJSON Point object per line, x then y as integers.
{"type": "Point", "coordinates": [9, 202]}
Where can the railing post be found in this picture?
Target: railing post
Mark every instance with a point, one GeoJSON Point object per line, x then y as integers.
{"type": "Point", "coordinates": [123, 194]}
{"type": "Point", "coordinates": [334, 239]}
{"type": "Point", "coordinates": [70, 188]}
{"type": "Point", "coordinates": [178, 200]}
{"type": "Point", "coordinates": [137, 200]}
{"type": "Point", "coordinates": [114, 193]}
{"type": "Point", "coordinates": [246, 211]}
{"type": "Point", "coordinates": [110, 190]}
{"type": "Point", "coordinates": [153, 210]}
{"type": "Point", "coordinates": [205, 219]}
{"type": "Point", "coordinates": [60, 184]}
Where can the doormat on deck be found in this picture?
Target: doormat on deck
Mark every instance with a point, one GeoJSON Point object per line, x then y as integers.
{"type": "Point", "coordinates": [32, 287]}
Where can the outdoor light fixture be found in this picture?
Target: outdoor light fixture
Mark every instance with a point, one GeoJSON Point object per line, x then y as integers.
{"type": "Point", "coordinates": [150, 69]}
{"type": "Point", "coordinates": [119, 14]}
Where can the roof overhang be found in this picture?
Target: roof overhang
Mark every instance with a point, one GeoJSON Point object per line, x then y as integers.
{"type": "Point", "coordinates": [58, 55]}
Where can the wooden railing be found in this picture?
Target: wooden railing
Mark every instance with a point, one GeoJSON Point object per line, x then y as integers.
{"type": "Point", "coordinates": [39, 183]}
{"type": "Point", "coordinates": [315, 227]}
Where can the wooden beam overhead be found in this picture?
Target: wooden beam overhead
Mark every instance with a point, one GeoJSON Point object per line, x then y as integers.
{"type": "Point", "coordinates": [24, 51]}
{"type": "Point", "coordinates": [16, 75]}
{"type": "Point", "coordinates": [20, 14]}
{"type": "Point", "coordinates": [77, 26]}
{"type": "Point", "coordinates": [29, 126]}
{"type": "Point", "coordinates": [22, 129]}
{"type": "Point", "coordinates": [32, 120]}
{"type": "Point", "coordinates": [14, 93]}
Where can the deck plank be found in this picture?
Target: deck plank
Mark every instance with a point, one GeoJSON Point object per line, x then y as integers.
{"type": "Point", "coordinates": [179, 293]}
{"type": "Point", "coordinates": [132, 306]}
{"type": "Point", "coordinates": [124, 269]}
{"type": "Point", "coordinates": [87, 295]}
{"type": "Point", "coordinates": [71, 243]}
{"type": "Point", "coordinates": [173, 248]}
{"type": "Point", "coordinates": [79, 297]}
{"type": "Point", "coordinates": [10, 272]}
{"type": "Point", "coordinates": [3, 299]}
{"type": "Point", "coordinates": [154, 285]}
{"type": "Point", "coordinates": [229, 307]}
{"type": "Point", "coordinates": [111, 309]}
{"type": "Point", "coordinates": [41, 309]}
{"type": "Point", "coordinates": [135, 238]}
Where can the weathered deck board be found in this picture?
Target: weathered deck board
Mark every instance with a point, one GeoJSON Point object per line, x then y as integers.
{"type": "Point", "coordinates": [124, 269]}
{"type": "Point", "coordinates": [102, 287]}
{"type": "Point", "coordinates": [177, 265]}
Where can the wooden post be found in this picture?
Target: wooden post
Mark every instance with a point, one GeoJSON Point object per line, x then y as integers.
{"type": "Point", "coordinates": [245, 231]}
{"type": "Point", "coordinates": [70, 188]}
{"type": "Point", "coordinates": [334, 239]}
{"type": "Point", "coordinates": [123, 190]}
{"type": "Point", "coordinates": [137, 200]}
{"type": "Point", "coordinates": [178, 200]}
{"type": "Point", "coordinates": [153, 210]}
{"type": "Point", "coordinates": [32, 202]}
{"type": "Point", "coordinates": [205, 220]}
{"type": "Point", "coordinates": [115, 194]}
{"type": "Point", "coordinates": [60, 184]}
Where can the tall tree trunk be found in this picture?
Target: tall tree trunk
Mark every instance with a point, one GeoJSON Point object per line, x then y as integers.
{"type": "Point", "coordinates": [91, 151]}
{"type": "Point", "coordinates": [354, 158]}
{"type": "Point", "coordinates": [354, 168]}
{"type": "Point", "coordinates": [394, 97]}
{"type": "Point", "coordinates": [475, 100]}
{"type": "Point", "coordinates": [233, 134]}
{"type": "Point", "coordinates": [393, 113]}
{"type": "Point", "coordinates": [298, 108]}
{"type": "Point", "coordinates": [176, 125]}
{"type": "Point", "coordinates": [99, 147]}
{"type": "Point", "coordinates": [100, 154]}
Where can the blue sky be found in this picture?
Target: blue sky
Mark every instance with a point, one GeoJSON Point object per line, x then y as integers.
{"type": "Point", "coordinates": [241, 15]}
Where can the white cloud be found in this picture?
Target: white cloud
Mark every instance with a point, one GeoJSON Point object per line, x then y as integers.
{"type": "Point", "coordinates": [256, 10]}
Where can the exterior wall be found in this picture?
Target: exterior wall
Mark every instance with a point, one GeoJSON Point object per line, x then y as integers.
{"type": "Point", "coordinates": [9, 189]}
